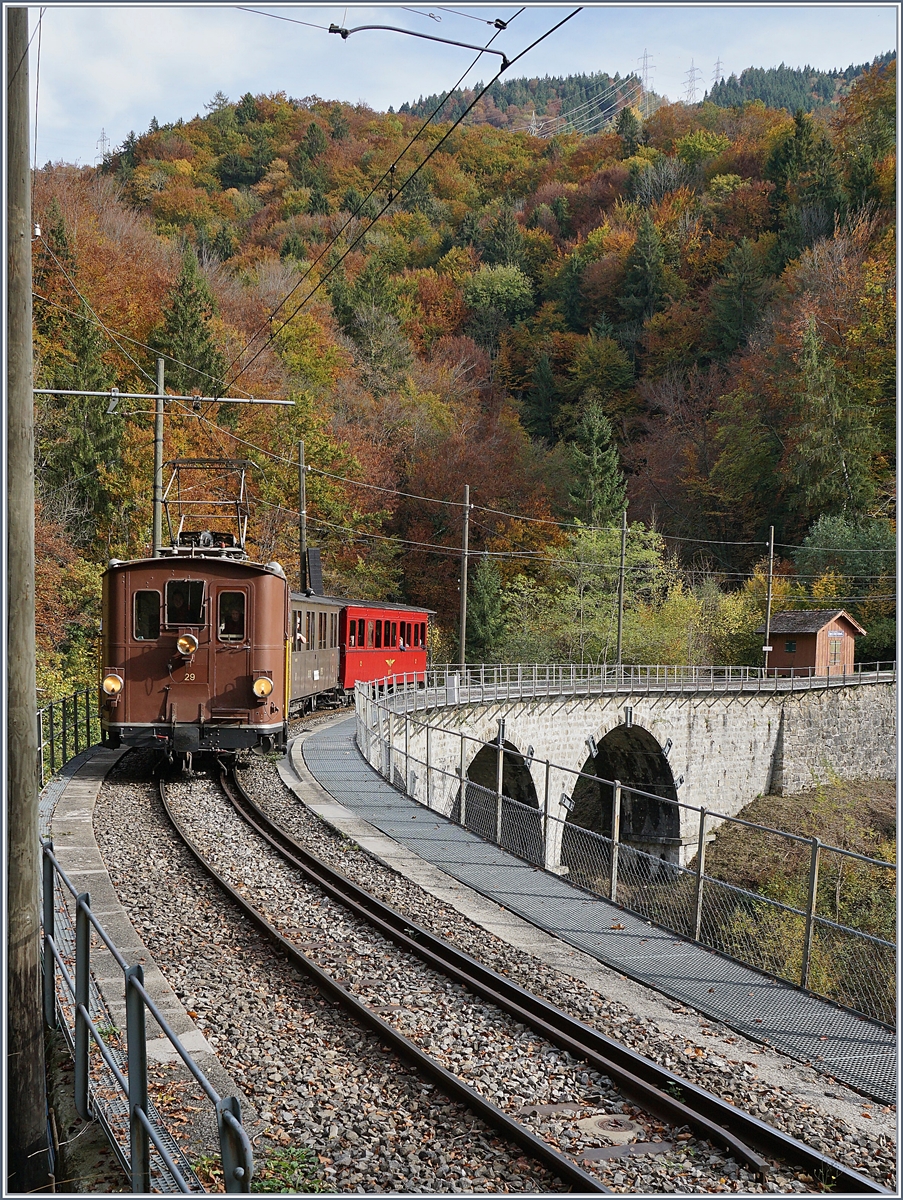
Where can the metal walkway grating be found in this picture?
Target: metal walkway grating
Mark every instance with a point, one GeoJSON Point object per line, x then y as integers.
{"type": "Point", "coordinates": [832, 1040]}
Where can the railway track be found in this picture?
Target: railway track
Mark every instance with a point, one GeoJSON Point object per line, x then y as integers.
{"type": "Point", "coordinates": [648, 1086]}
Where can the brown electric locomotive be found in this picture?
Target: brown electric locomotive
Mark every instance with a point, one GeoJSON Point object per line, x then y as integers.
{"type": "Point", "coordinates": [204, 650]}
{"type": "Point", "coordinates": [195, 652]}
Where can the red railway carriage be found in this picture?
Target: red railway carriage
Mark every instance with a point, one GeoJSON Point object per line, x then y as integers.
{"type": "Point", "coordinates": [336, 642]}
{"type": "Point", "coordinates": [194, 653]}
{"type": "Point", "coordinates": [378, 640]}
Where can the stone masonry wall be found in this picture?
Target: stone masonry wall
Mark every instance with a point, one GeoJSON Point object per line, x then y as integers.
{"type": "Point", "coordinates": [729, 747]}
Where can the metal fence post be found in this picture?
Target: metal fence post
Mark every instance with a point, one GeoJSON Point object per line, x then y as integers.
{"type": "Point", "coordinates": [76, 721]}
{"type": "Point", "coordinates": [65, 732]}
{"type": "Point", "coordinates": [235, 1151]}
{"type": "Point", "coordinates": [615, 839]}
{"type": "Point", "coordinates": [810, 911]}
{"type": "Point", "coordinates": [136, 1048]}
{"type": "Point", "coordinates": [49, 960]}
{"type": "Point", "coordinates": [82, 995]}
{"type": "Point", "coordinates": [545, 817]}
{"type": "Point", "coordinates": [391, 740]}
{"type": "Point", "coordinates": [463, 779]}
{"type": "Point", "coordinates": [700, 875]}
{"type": "Point", "coordinates": [41, 745]}
{"type": "Point", "coordinates": [89, 715]}
{"type": "Point", "coordinates": [499, 776]}
{"type": "Point", "coordinates": [407, 746]}
{"type": "Point", "coordinates": [428, 765]}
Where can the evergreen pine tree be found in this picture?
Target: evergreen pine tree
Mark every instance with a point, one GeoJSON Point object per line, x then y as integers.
{"type": "Point", "coordinates": [644, 279]}
{"type": "Point", "coordinates": [830, 459]}
{"type": "Point", "coordinates": [737, 298]}
{"type": "Point", "coordinates": [541, 402]}
{"type": "Point", "coordinates": [194, 362]}
{"type": "Point", "coordinates": [503, 241]}
{"type": "Point", "coordinates": [629, 129]}
{"type": "Point", "coordinates": [599, 489]}
{"type": "Point", "coordinates": [485, 612]}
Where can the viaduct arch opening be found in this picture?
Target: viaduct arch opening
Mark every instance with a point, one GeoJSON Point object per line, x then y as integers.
{"type": "Point", "coordinates": [632, 755]}
{"type": "Point", "coordinates": [517, 826]}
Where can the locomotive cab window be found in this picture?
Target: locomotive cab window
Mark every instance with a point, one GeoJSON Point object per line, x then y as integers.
{"type": "Point", "coordinates": [147, 616]}
{"type": "Point", "coordinates": [185, 602]}
{"type": "Point", "coordinates": [231, 616]}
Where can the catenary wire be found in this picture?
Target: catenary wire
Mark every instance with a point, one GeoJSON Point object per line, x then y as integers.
{"type": "Point", "coordinates": [277, 17]}
{"type": "Point", "coordinates": [352, 216]}
{"type": "Point", "coordinates": [388, 203]}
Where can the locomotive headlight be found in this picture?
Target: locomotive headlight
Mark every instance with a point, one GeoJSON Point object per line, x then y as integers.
{"type": "Point", "coordinates": [187, 644]}
{"type": "Point", "coordinates": [263, 687]}
{"type": "Point", "coordinates": [112, 684]}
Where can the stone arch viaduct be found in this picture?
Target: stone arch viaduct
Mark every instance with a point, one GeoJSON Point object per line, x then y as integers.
{"type": "Point", "coordinates": [708, 742]}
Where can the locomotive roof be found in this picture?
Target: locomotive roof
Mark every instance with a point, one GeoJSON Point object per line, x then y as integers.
{"type": "Point", "coordinates": [188, 562]}
{"type": "Point", "coordinates": [345, 602]}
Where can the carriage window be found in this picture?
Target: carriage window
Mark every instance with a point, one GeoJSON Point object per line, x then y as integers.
{"type": "Point", "coordinates": [360, 633]}
{"type": "Point", "coordinates": [231, 616]}
{"type": "Point", "coordinates": [370, 634]}
{"type": "Point", "coordinates": [394, 632]}
{"type": "Point", "coordinates": [422, 635]}
{"type": "Point", "coordinates": [333, 630]}
{"type": "Point", "coordinates": [321, 626]}
{"type": "Point", "coordinates": [300, 643]}
{"type": "Point", "coordinates": [185, 602]}
{"type": "Point", "coordinates": [311, 631]}
{"type": "Point", "coordinates": [387, 633]}
{"type": "Point", "coordinates": [147, 616]}
{"type": "Point", "coordinates": [352, 633]}
{"type": "Point", "coordinates": [379, 635]}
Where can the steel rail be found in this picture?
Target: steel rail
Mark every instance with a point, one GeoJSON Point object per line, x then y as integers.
{"type": "Point", "coordinates": [513, 1131]}
{"type": "Point", "coordinates": [640, 1078]}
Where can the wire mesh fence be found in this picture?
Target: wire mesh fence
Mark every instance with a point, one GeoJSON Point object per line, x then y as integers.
{"type": "Point", "coordinates": [826, 921]}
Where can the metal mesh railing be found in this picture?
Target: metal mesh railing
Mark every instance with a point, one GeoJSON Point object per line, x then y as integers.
{"type": "Point", "coordinates": [827, 922]}
{"type": "Point", "coordinates": [111, 1065]}
{"type": "Point", "coordinates": [65, 728]}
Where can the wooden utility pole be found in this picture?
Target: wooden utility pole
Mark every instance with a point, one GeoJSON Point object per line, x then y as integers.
{"type": "Point", "coordinates": [766, 649]}
{"type": "Point", "coordinates": [462, 642]}
{"type": "Point", "coordinates": [158, 460]}
{"type": "Point", "coordinates": [302, 518]}
{"type": "Point", "coordinates": [26, 1104]}
{"type": "Point", "coordinates": [621, 569]}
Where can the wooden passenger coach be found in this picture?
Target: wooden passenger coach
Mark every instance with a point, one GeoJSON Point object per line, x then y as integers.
{"type": "Point", "coordinates": [382, 640]}
{"type": "Point", "coordinates": [337, 642]}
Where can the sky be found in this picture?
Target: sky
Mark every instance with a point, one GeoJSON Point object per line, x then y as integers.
{"type": "Point", "coordinates": [102, 71]}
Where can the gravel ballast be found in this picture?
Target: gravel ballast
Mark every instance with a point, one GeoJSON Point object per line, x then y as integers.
{"type": "Point", "coordinates": [320, 1081]}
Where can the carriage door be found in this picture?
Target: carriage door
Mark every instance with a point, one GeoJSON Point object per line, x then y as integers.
{"type": "Point", "coordinates": [232, 678]}
{"type": "Point", "coordinates": [186, 614]}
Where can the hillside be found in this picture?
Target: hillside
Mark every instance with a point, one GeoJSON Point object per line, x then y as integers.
{"type": "Point", "coordinates": [511, 104]}
{"type": "Point", "coordinates": [793, 88]}
{"type": "Point", "coordinates": [696, 314]}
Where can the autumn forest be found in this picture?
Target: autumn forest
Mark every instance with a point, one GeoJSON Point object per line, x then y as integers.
{"type": "Point", "coordinates": [690, 316]}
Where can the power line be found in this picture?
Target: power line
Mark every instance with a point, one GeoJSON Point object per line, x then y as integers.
{"type": "Point", "coordinates": [387, 174]}
{"type": "Point", "coordinates": [415, 172]}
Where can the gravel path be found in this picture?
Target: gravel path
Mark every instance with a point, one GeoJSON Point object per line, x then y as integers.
{"type": "Point", "coordinates": [320, 1081]}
